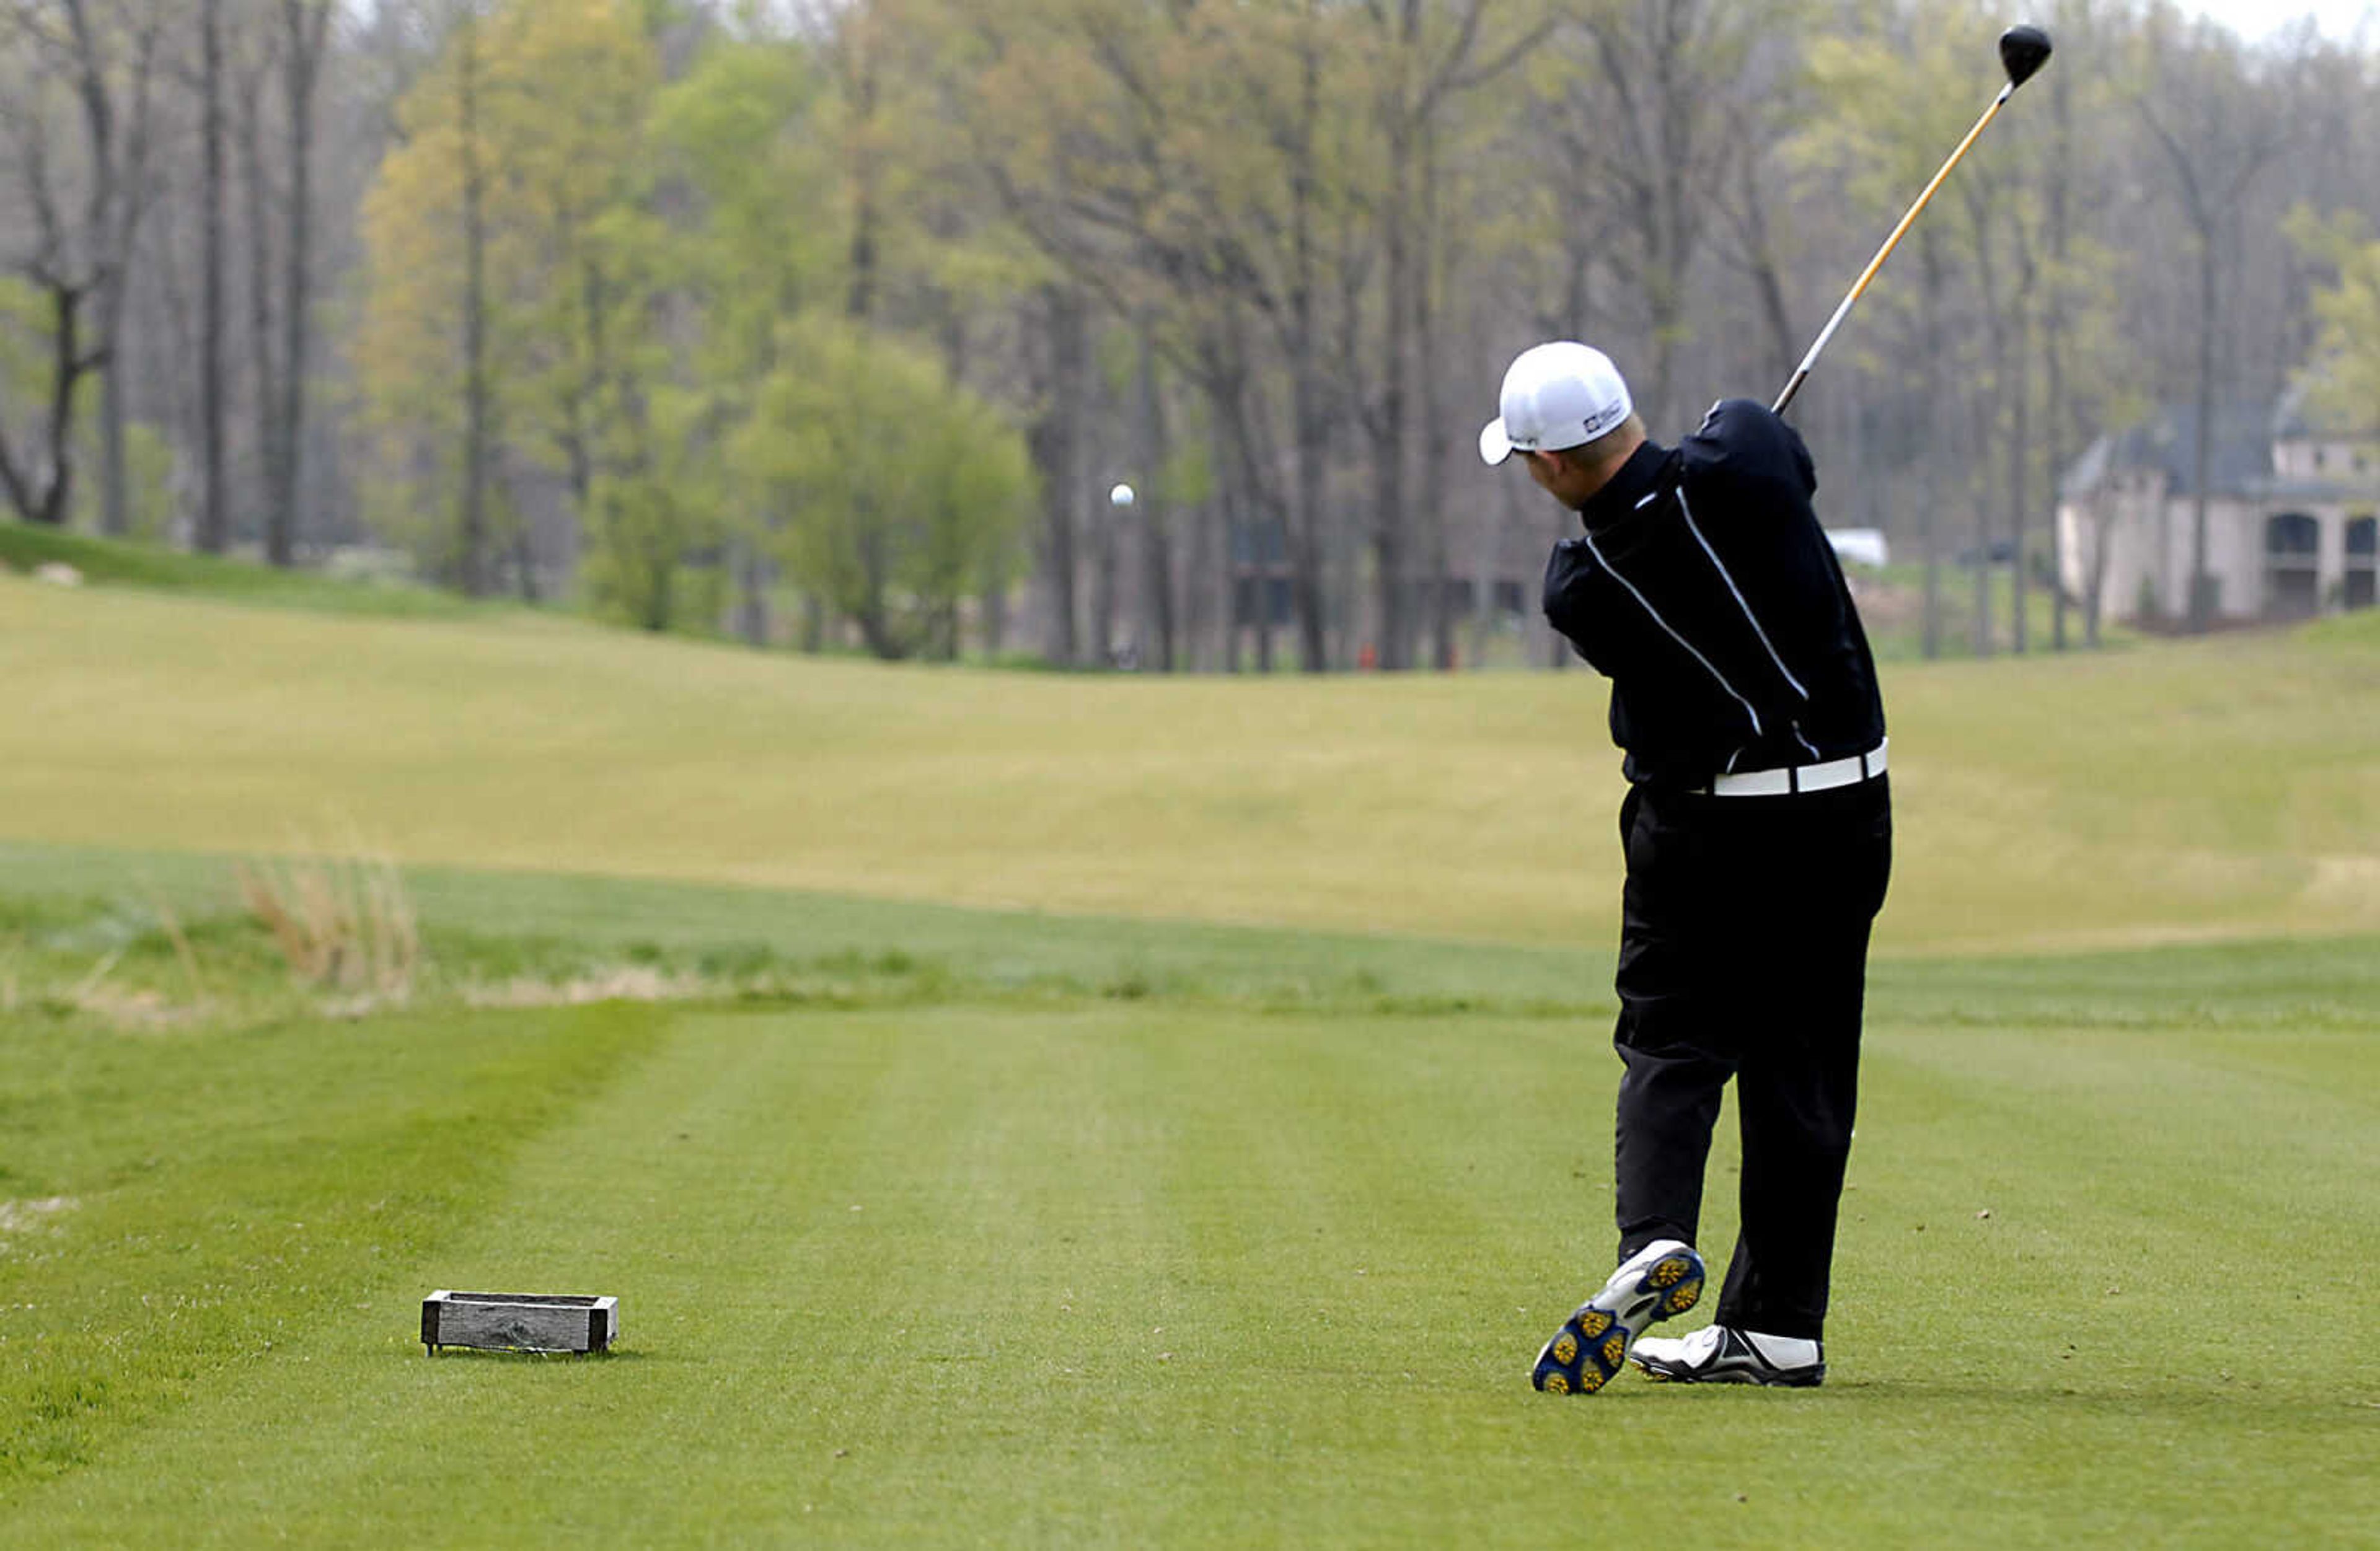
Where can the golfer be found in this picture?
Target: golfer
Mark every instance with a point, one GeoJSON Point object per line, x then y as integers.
{"type": "Point", "coordinates": [1758, 835]}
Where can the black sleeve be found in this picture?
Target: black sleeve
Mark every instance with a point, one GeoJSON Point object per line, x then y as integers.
{"type": "Point", "coordinates": [1746, 447]}
{"type": "Point", "coordinates": [1578, 599]}
{"type": "Point", "coordinates": [1663, 555]}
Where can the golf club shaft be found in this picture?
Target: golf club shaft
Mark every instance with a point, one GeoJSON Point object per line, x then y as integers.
{"type": "Point", "coordinates": [1803, 371]}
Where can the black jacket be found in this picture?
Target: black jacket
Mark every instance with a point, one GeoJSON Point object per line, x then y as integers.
{"type": "Point", "coordinates": [1706, 590]}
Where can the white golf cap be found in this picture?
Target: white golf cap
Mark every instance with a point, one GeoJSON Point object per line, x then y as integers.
{"type": "Point", "coordinates": [1556, 395]}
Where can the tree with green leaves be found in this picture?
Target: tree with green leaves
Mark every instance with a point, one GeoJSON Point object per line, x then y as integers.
{"type": "Point", "coordinates": [736, 141]}
{"type": "Point", "coordinates": [514, 269]}
{"type": "Point", "coordinates": [905, 494]}
{"type": "Point", "coordinates": [2343, 376]}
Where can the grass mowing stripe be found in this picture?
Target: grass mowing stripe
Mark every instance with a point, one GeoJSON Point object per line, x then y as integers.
{"type": "Point", "coordinates": [973, 1356]}
{"type": "Point", "coordinates": [942, 950]}
{"type": "Point", "coordinates": [223, 1192]}
{"type": "Point", "coordinates": [86, 902]}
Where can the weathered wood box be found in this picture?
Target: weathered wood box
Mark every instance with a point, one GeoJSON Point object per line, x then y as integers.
{"type": "Point", "coordinates": [520, 1321]}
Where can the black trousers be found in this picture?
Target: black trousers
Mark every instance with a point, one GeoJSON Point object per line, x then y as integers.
{"type": "Point", "coordinates": [1744, 955]}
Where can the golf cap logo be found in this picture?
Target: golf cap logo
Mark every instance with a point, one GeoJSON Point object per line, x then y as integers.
{"type": "Point", "coordinates": [1556, 396]}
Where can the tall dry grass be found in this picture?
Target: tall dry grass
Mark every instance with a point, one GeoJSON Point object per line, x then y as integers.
{"type": "Point", "coordinates": [344, 924]}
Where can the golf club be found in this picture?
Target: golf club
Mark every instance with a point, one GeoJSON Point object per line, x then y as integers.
{"type": "Point", "coordinates": [2023, 50]}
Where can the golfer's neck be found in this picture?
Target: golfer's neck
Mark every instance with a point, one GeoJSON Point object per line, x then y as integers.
{"type": "Point", "coordinates": [1596, 475]}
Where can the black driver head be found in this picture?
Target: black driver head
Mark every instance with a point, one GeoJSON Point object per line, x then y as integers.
{"type": "Point", "coordinates": [2023, 50]}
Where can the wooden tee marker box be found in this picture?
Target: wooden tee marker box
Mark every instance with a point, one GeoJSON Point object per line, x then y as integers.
{"type": "Point", "coordinates": [520, 1321]}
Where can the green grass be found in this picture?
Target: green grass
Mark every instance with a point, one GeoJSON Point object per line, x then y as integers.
{"type": "Point", "coordinates": [209, 1198]}
{"type": "Point", "coordinates": [109, 563]}
{"type": "Point", "coordinates": [2224, 788]}
{"type": "Point", "coordinates": [1220, 1072]}
{"type": "Point", "coordinates": [1020, 1268]}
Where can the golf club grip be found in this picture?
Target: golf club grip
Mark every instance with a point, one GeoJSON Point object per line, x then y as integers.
{"type": "Point", "coordinates": [1802, 372]}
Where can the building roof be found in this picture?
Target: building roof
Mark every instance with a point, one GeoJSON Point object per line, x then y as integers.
{"type": "Point", "coordinates": [2240, 458]}
{"type": "Point", "coordinates": [2241, 452]}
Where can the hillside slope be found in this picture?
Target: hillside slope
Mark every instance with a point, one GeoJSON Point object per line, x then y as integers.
{"type": "Point", "coordinates": [2224, 788]}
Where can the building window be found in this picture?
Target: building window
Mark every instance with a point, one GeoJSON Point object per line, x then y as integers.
{"type": "Point", "coordinates": [2363, 559]}
{"type": "Point", "coordinates": [2292, 544]}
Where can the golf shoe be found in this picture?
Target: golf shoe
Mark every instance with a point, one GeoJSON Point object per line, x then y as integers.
{"type": "Point", "coordinates": [1717, 1354]}
{"type": "Point", "coordinates": [1663, 1279]}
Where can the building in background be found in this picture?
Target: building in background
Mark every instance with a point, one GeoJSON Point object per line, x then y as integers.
{"type": "Point", "coordinates": [2293, 517]}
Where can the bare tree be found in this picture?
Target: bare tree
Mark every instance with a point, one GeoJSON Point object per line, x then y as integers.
{"type": "Point", "coordinates": [215, 510]}
{"type": "Point", "coordinates": [1425, 57]}
{"type": "Point", "coordinates": [475, 559]}
{"type": "Point", "coordinates": [1650, 146]}
{"type": "Point", "coordinates": [104, 61]}
{"type": "Point", "coordinates": [305, 34]}
{"type": "Point", "coordinates": [2216, 133]}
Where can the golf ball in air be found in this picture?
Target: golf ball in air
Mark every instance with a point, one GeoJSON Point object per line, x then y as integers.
{"type": "Point", "coordinates": [1121, 496]}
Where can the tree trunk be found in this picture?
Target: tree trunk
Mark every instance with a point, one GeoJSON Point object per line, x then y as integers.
{"type": "Point", "coordinates": [45, 502]}
{"type": "Point", "coordinates": [1253, 517]}
{"type": "Point", "coordinates": [2019, 458]}
{"type": "Point", "coordinates": [214, 509]}
{"type": "Point", "coordinates": [115, 188]}
{"type": "Point", "coordinates": [267, 399]}
{"type": "Point", "coordinates": [1305, 531]}
{"type": "Point", "coordinates": [1157, 623]}
{"type": "Point", "coordinates": [2200, 603]}
{"type": "Point", "coordinates": [752, 602]}
{"type": "Point", "coordinates": [1432, 440]}
{"type": "Point", "coordinates": [2093, 604]}
{"type": "Point", "coordinates": [479, 413]}
{"type": "Point", "coordinates": [994, 621]}
{"type": "Point", "coordinates": [1055, 442]}
{"type": "Point", "coordinates": [1310, 422]}
{"type": "Point", "coordinates": [1393, 587]}
{"type": "Point", "coordinates": [304, 24]}
{"type": "Point", "coordinates": [68, 369]}
{"type": "Point", "coordinates": [115, 415]}
{"type": "Point", "coordinates": [860, 62]}
{"type": "Point", "coordinates": [524, 565]}
{"type": "Point", "coordinates": [1985, 417]}
{"type": "Point", "coordinates": [1107, 542]}
{"type": "Point", "coordinates": [2061, 173]}
{"type": "Point", "coordinates": [1935, 487]}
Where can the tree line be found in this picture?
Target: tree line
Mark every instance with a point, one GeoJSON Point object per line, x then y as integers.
{"type": "Point", "coordinates": [834, 323]}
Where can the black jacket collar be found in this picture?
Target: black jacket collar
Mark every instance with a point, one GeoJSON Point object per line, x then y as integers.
{"type": "Point", "coordinates": [1621, 493]}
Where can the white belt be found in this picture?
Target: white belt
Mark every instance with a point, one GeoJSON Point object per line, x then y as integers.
{"type": "Point", "coordinates": [1791, 779]}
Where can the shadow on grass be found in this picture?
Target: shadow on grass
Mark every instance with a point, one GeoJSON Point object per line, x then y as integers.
{"type": "Point", "coordinates": [541, 1359]}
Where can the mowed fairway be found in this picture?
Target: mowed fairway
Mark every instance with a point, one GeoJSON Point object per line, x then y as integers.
{"type": "Point", "coordinates": [1108, 1221]}
{"type": "Point", "coordinates": [2222, 788]}
{"type": "Point", "coordinates": [1051, 1272]}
